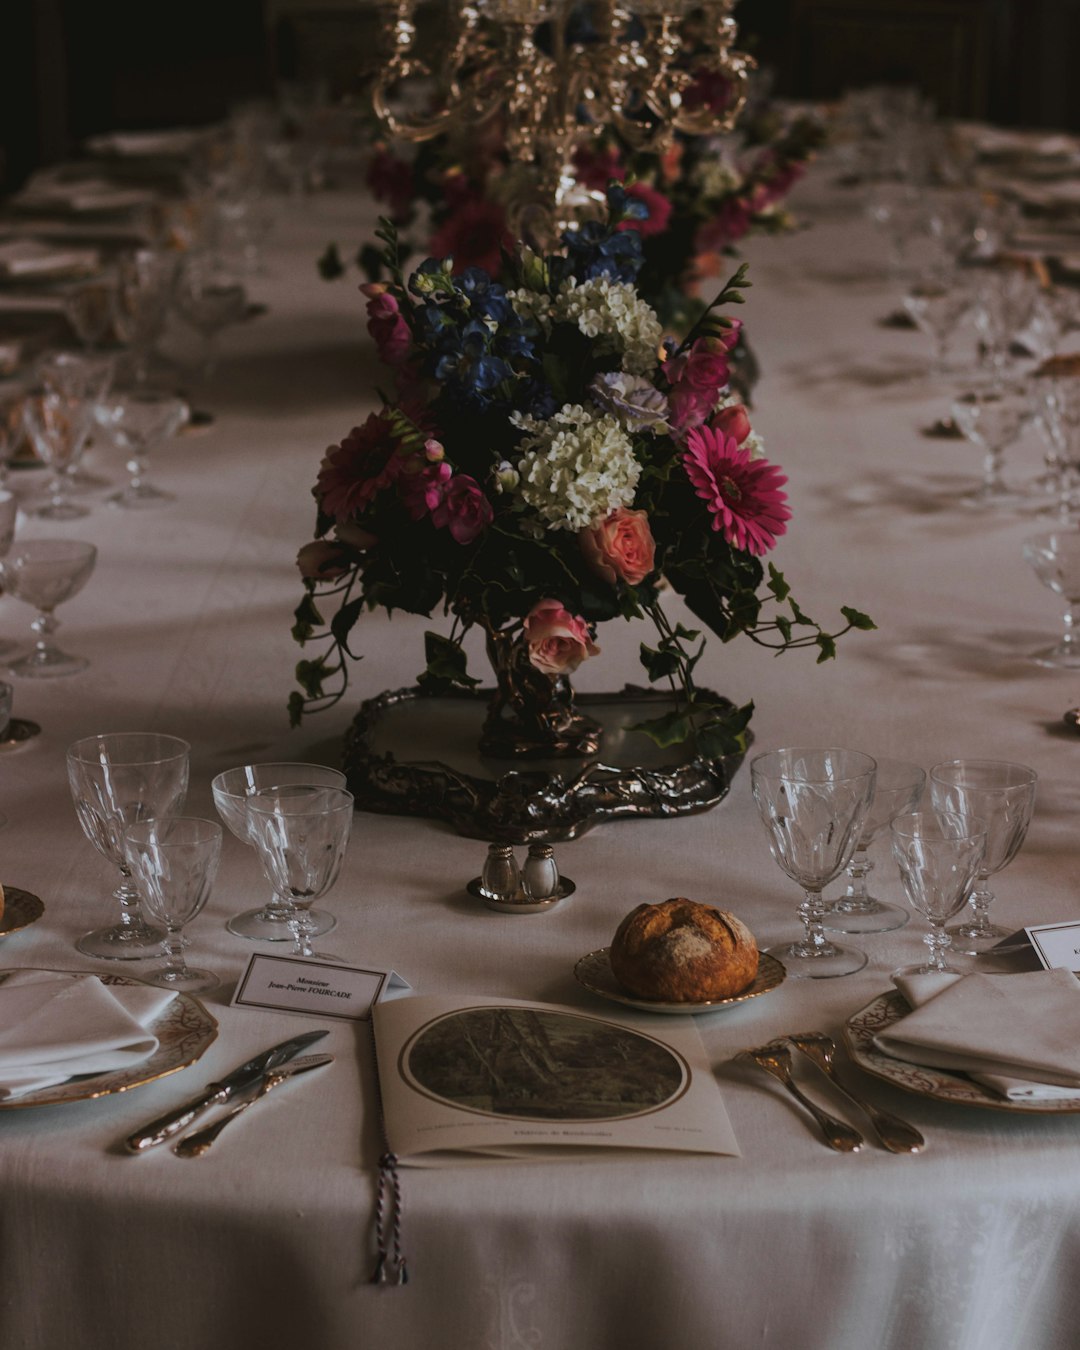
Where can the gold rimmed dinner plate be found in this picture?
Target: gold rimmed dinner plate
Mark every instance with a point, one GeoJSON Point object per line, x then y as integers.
{"type": "Point", "coordinates": [938, 1084]}
{"type": "Point", "coordinates": [184, 1031]}
{"type": "Point", "coordinates": [594, 973]}
{"type": "Point", "coordinates": [21, 909]}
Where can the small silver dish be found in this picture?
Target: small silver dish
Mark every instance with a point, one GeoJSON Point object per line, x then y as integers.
{"type": "Point", "coordinates": [521, 904]}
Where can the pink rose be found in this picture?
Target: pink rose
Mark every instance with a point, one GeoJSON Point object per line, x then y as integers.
{"type": "Point", "coordinates": [620, 548]}
{"type": "Point", "coordinates": [697, 377]}
{"type": "Point", "coordinates": [732, 422]}
{"type": "Point", "coordinates": [558, 640]}
{"type": "Point", "coordinates": [322, 560]}
{"type": "Point", "coordinates": [463, 509]}
{"type": "Point", "coordinates": [386, 324]}
{"type": "Point", "coordinates": [422, 488]}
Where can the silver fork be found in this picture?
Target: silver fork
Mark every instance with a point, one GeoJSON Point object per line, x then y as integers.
{"type": "Point", "coordinates": [897, 1135]}
{"type": "Point", "coordinates": [776, 1060]}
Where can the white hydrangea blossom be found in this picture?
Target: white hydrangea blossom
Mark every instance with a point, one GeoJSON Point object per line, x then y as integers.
{"type": "Point", "coordinates": [718, 177]}
{"type": "Point", "coordinates": [614, 314]}
{"type": "Point", "coordinates": [532, 305]}
{"type": "Point", "coordinates": [576, 467]}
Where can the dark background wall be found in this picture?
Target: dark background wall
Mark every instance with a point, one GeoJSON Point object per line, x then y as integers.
{"type": "Point", "coordinates": [70, 68]}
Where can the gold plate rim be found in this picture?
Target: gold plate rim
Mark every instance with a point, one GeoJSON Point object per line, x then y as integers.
{"type": "Point", "coordinates": [937, 1084]}
{"type": "Point", "coordinates": [190, 1029]}
{"type": "Point", "coordinates": [770, 975]}
{"type": "Point", "coordinates": [21, 905]}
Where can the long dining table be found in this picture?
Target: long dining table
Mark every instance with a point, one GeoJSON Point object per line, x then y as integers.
{"type": "Point", "coordinates": [267, 1240]}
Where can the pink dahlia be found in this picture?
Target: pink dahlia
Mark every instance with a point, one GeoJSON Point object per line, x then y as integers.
{"type": "Point", "coordinates": [353, 473]}
{"type": "Point", "coordinates": [473, 235]}
{"type": "Point", "coordinates": [743, 495]}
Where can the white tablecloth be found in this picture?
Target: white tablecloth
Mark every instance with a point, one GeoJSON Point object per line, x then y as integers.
{"type": "Point", "coordinates": [267, 1240]}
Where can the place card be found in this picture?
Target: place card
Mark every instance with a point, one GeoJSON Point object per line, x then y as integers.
{"type": "Point", "coordinates": [315, 988]}
{"type": "Point", "coordinates": [1057, 945]}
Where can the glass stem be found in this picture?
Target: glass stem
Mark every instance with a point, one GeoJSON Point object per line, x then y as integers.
{"type": "Point", "coordinates": [45, 625]}
{"type": "Point", "coordinates": [1071, 628]}
{"type": "Point", "coordinates": [302, 928]}
{"type": "Point", "coordinates": [980, 901]}
{"type": "Point", "coordinates": [812, 913]}
{"type": "Point", "coordinates": [993, 482]}
{"type": "Point", "coordinates": [938, 941]}
{"type": "Point", "coordinates": [855, 899]}
{"type": "Point", "coordinates": [172, 949]}
{"type": "Point", "coordinates": [131, 919]}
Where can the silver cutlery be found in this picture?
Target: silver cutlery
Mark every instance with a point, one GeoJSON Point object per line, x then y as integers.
{"type": "Point", "coordinates": [214, 1094]}
{"type": "Point", "coordinates": [776, 1060]}
{"type": "Point", "coordinates": [895, 1134]}
{"type": "Point", "coordinates": [195, 1145]}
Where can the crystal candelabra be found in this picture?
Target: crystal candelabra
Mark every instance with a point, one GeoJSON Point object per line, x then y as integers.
{"type": "Point", "coordinates": [558, 73]}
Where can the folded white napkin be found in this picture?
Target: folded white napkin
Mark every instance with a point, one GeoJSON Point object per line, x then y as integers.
{"type": "Point", "coordinates": [29, 258]}
{"type": "Point", "coordinates": [1019, 1035]}
{"type": "Point", "coordinates": [54, 1025]}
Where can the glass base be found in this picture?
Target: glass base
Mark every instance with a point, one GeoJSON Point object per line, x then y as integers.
{"type": "Point", "coordinates": [875, 916]}
{"type": "Point", "coordinates": [137, 498]}
{"type": "Point", "coordinates": [971, 941]}
{"type": "Point", "coordinates": [47, 665]}
{"type": "Point", "coordinates": [263, 925]}
{"type": "Point", "coordinates": [1063, 656]}
{"type": "Point", "coordinates": [989, 497]}
{"type": "Point", "coordinates": [803, 961]}
{"type": "Point", "coordinates": [190, 982]}
{"type": "Point", "coordinates": [122, 942]}
{"type": "Point", "coordinates": [60, 511]}
{"type": "Point", "coordinates": [926, 969]}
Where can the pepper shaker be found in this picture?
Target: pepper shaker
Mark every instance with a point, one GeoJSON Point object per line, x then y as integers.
{"type": "Point", "coordinates": [540, 877]}
{"type": "Point", "coordinates": [500, 878]}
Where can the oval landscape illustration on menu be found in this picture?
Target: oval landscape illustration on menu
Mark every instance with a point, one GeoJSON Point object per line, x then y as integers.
{"type": "Point", "coordinates": [533, 1064]}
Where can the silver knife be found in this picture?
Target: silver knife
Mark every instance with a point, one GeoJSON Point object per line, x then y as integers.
{"type": "Point", "coordinates": [195, 1145]}
{"type": "Point", "coordinates": [246, 1076]}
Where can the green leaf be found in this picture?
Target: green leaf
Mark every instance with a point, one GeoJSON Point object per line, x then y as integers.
{"type": "Point", "coordinates": [296, 708]}
{"type": "Point", "coordinates": [777, 584]}
{"type": "Point", "coordinates": [330, 265]}
{"type": "Point", "coordinates": [799, 616]}
{"type": "Point", "coordinates": [310, 675]}
{"type": "Point", "coordinates": [784, 626]}
{"type": "Point", "coordinates": [343, 622]}
{"type": "Point", "coordinates": [447, 664]}
{"type": "Point", "coordinates": [857, 619]}
{"type": "Point", "coordinates": [687, 634]}
{"type": "Point", "coordinates": [659, 664]}
{"type": "Point", "coordinates": [307, 618]}
{"type": "Point", "coordinates": [671, 729]}
{"type": "Point", "coordinates": [827, 647]}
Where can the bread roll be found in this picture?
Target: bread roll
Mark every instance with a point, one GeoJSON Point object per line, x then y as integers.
{"type": "Point", "coordinates": [682, 952]}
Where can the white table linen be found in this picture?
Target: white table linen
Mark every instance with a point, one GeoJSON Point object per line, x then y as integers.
{"type": "Point", "coordinates": [267, 1240]}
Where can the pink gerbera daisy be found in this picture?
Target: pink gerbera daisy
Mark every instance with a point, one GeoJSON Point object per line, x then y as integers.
{"type": "Point", "coordinates": [743, 495]}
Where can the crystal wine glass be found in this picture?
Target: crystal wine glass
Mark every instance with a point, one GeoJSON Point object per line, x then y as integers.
{"type": "Point", "coordinates": [992, 415]}
{"type": "Point", "coordinates": [137, 421]}
{"type": "Point", "coordinates": [45, 573]}
{"type": "Point", "coordinates": [1055, 559]}
{"type": "Point", "coordinates": [174, 863]}
{"type": "Point", "coordinates": [210, 297]}
{"type": "Point", "coordinates": [144, 284]}
{"type": "Point", "coordinates": [939, 855]}
{"type": "Point", "coordinates": [937, 304]}
{"type": "Point", "coordinates": [58, 425]}
{"type": "Point", "coordinates": [231, 789]}
{"type": "Point", "coordinates": [116, 781]}
{"type": "Point", "coordinates": [813, 804]}
{"type": "Point", "coordinates": [1002, 796]}
{"type": "Point", "coordinates": [897, 788]}
{"type": "Point", "coordinates": [1057, 402]}
{"type": "Point", "coordinates": [300, 834]}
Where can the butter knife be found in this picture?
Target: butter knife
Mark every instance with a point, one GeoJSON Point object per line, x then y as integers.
{"type": "Point", "coordinates": [246, 1076]}
{"type": "Point", "coordinates": [195, 1145]}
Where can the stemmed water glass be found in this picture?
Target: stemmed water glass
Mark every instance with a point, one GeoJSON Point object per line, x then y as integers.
{"type": "Point", "coordinates": [1057, 401]}
{"type": "Point", "coordinates": [210, 297]}
{"type": "Point", "coordinates": [137, 421]}
{"type": "Point", "coordinates": [1055, 559]}
{"type": "Point", "coordinates": [992, 415]}
{"type": "Point", "coordinates": [897, 788]}
{"type": "Point", "coordinates": [937, 303]}
{"type": "Point", "coordinates": [939, 855]}
{"type": "Point", "coordinates": [1002, 796]}
{"type": "Point", "coordinates": [231, 789]}
{"type": "Point", "coordinates": [813, 804]}
{"type": "Point", "coordinates": [144, 283]}
{"type": "Point", "coordinates": [116, 781]}
{"type": "Point", "coordinates": [44, 573]}
{"type": "Point", "coordinates": [300, 834]}
{"type": "Point", "coordinates": [58, 425]}
{"type": "Point", "coordinates": [174, 862]}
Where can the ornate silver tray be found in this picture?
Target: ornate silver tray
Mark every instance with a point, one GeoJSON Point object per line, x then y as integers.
{"type": "Point", "coordinates": [410, 753]}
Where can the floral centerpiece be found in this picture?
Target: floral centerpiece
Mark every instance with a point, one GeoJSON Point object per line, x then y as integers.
{"type": "Point", "coordinates": [547, 462]}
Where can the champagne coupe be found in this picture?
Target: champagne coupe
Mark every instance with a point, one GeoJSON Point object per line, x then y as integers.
{"type": "Point", "coordinates": [813, 804]}
{"type": "Point", "coordinates": [897, 788]}
{"type": "Point", "coordinates": [210, 297]}
{"type": "Point", "coordinates": [44, 573]}
{"type": "Point", "coordinates": [1055, 559]}
{"type": "Point", "coordinates": [300, 834]}
{"type": "Point", "coordinates": [174, 863]}
{"type": "Point", "coordinates": [939, 855]}
{"type": "Point", "coordinates": [1002, 796]}
{"type": "Point", "coordinates": [58, 425]}
{"type": "Point", "coordinates": [992, 415]}
{"type": "Point", "coordinates": [137, 421]}
{"type": "Point", "coordinates": [231, 789]}
{"type": "Point", "coordinates": [116, 781]}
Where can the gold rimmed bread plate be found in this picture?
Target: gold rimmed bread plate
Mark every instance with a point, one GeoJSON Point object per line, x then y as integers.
{"type": "Point", "coordinates": [184, 1031]}
{"type": "Point", "coordinates": [938, 1084]}
{"type": "Point", "coordinates": [594, 973]}
{"type": "Point", "coordinates": [520, 905]}
{"type": "Point", "coordinates": [21, 909]}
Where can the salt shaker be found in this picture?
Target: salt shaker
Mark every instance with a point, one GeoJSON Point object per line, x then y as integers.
{"type": "Point", "coordinates": [540, 878]}
{"type": "Point", "coordinates": [500, 878]}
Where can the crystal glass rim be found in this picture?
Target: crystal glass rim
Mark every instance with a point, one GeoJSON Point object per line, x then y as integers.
{"type": "Point", "coordinates": [759, 769]}
{"type": "Point", "coordinates": [79, 750]}
{"type": "Point", "coordinates": [139, 831]}
{"type": "Point", "coordinates": [1024, 776]}
{"type": "Point", "coordinates": [345, 799]}
{"type": "Point", "coordinates": [976, 827]}
{"type": "Point", "coordinates": [218, 787]}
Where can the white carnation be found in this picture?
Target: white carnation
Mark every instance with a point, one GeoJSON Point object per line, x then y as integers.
{"type": "Point", "coordinates": [612, 313]}
{"type": "Point", "coordinates": [576, 467]}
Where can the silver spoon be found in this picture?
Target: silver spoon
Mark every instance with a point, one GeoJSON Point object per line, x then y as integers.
{"type": "Point", "coordinates": [776, 1059]}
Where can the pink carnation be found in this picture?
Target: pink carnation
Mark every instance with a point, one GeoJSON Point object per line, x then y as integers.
{"type": "Point", "coordinates": [353, 473]}
{"type": "Point", "coordinates": [463, 509]}
{"type": "Point", "coordinates": [558, 640]}
{"type": "Point", "coordinates": [743, 495]}
{"type": "Point", "coordinates": [386, 324]}
{"type": "Point", "coordinates": [620, 548]}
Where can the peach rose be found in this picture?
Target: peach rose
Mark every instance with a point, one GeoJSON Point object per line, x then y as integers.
{"type": "Point", "coordinates": [322, 560]}
{"type": "Point", "coordinates": [558, 640]}
{"type": "Point", "coordinates": [620, 548]}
